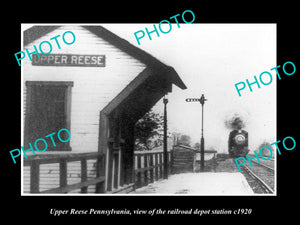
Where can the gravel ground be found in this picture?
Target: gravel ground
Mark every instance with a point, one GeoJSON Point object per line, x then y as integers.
{"type": "Point", "coordinates": [225, 164]}
{"type": "Point", "coordinates": [269, 163]}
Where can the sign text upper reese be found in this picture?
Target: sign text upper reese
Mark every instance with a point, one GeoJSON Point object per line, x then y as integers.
{"type": "Point", "coordinates": [69, 60]}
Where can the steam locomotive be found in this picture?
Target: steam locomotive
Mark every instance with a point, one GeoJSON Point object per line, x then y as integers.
{"type": "Point", "coordinates": [238, 143]}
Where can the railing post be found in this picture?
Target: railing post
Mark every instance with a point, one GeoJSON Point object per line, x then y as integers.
{"type": "Point", "coordinates": [63, 173]}
{"type": "Point", "coordinates": [169, 162]}
{"type": "Point", "coordinates": [100, 171]}
{"type": "Point", "coordinates": [172, 161]}
{"type": "Point", "coordinates": [156, 165]}
{"type": "Point", "coordinates": [139, 173]}
{"type": "Point", "coordinates": [83, 174]}
{"type": "Point", "coordinates": [34, 177]}
{"type": "Point", "coordinates": [146, 169]}
{"type": "Point", "coordinates": [151, 168]}
{"type": "Point", "coordinates": [160, 165]}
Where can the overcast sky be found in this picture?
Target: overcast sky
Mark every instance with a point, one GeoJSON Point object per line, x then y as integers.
{"type": "Point", "coordinates": [210, 59]}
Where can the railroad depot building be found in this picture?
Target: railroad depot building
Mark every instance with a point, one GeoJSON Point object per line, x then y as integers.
{"type": "Point", "coordinates": [98, 88]}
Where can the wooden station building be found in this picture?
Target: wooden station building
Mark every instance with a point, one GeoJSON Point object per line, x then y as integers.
{"type": "Point", "coordinates": [98, 104]}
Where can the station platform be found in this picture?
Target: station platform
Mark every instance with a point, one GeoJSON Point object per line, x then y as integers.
{"type": "Point", "coordinates": [207, 183]}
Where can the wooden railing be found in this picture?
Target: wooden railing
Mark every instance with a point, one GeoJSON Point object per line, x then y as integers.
{"type": "Point", "coordinates": [35, 162]}
{"type": "Point", "coordinates": [149, 167]}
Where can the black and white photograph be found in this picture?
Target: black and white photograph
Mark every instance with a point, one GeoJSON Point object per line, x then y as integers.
{"type": "Point", "coordinates": [180, 113]}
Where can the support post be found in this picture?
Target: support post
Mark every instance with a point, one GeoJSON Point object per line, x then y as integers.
{"type": "Point", "coordinates": [34, 177]}
{"type": "Point", "coordinates": [202, 100]}
{"type": "Point", "coordinates": [84, 174]}
{"type": "Point", "coordinates": [165, 101]}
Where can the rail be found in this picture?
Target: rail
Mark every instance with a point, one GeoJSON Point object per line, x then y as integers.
{"type": "Point", "coordinates": [262, 184]}
{"type": "Point", "coordinates": [35, 162]}
{"type": "Point", "coordinates": [149, 167]}
{"type": "Point", "coordinates": [263, 165]}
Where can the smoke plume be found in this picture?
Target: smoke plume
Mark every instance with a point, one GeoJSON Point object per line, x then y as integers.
{"type": "Point", "coordinates": [233, 122]}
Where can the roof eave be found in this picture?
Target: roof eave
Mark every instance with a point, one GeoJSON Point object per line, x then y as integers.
{"type": "Point", "coordinates": [36, 32]}
{"type": "Point", "coordinates": [175, 78]}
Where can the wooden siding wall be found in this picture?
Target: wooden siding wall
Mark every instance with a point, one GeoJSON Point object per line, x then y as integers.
{"type": "Point", "coordinates": [94, 87]}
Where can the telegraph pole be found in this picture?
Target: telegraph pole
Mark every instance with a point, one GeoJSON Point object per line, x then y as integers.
{"type": "Point", "coordinates": [202, 100]}
{"type": "Point", "coordinates": [165, 101]}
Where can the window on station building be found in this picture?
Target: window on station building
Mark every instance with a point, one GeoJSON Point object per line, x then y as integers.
{"type": "Point", "coordinates": [48, 109]}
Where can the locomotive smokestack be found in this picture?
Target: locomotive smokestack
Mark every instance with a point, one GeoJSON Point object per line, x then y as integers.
{"type": "Point", "coordinates": [235, 122]}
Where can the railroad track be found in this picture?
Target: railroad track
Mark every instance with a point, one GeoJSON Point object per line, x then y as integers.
{"type": "Point", "coordinates": [265, 188]}
{"type": "Point", "coordinates": [263, 165]}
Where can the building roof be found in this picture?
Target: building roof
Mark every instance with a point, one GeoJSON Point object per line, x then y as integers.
{"type": "Point", "coordinates": [148, 87]}
{"type": "Point", "coordinates": [36, 32]}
